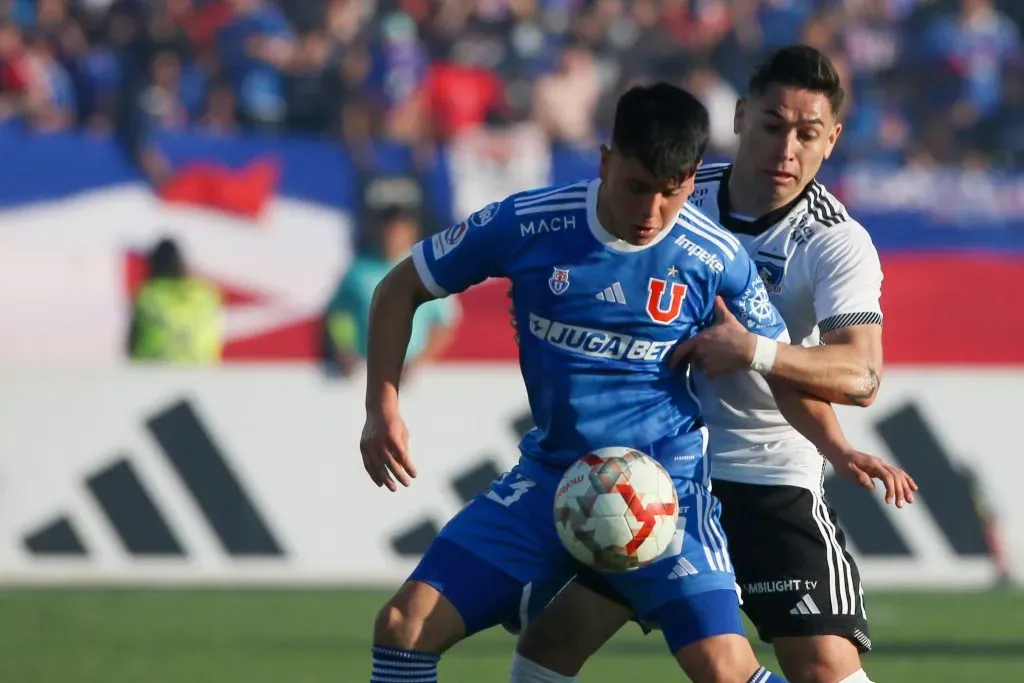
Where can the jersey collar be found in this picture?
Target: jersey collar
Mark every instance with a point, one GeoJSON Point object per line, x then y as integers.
{"type": "Point", "coordinates": [758, 225]}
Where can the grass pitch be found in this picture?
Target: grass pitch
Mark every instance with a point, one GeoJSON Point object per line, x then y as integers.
{"type": "Point", "coordinates": [307, 636]}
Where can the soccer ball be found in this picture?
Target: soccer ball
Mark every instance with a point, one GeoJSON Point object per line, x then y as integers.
{"type": "Point", "coordinates": [616, 509]}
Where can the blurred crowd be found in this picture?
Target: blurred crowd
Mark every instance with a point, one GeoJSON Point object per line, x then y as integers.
{"type": "Point", "coordinates": [932, 81]}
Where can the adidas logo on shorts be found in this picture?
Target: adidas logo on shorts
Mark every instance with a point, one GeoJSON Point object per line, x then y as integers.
{"type": "Point", "coordinates": [805, 606]}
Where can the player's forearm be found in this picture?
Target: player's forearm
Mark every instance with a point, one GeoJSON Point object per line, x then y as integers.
{"type": "Point", "coordinates": [391, 313]}
{"type": "Point", "coordinates": [812, 417]}
{"type": "Point", "coordinates": [839, 373]}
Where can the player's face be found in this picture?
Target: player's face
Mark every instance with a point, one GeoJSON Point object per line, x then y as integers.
{"type": "Point", "coordinates": [636, 205]}
{"type": "Point", "coordinates": [785, 135]}
{"type": "Point", "coordinates": [398, 238]}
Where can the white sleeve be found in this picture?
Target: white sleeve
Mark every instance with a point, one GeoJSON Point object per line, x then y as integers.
{"type": "Point", "coordinates": [847, 277]}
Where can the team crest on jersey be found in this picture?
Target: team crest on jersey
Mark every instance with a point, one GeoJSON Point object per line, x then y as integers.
{"type": "Point", "coordinates": [660, 311]}
{"type": "Point", "coordinates": [484, 215]}
{"type": "Point", "coordinates": [771, 275]}
{"type": "Point", "coordinates": [559, 281]}
{"type": "Point", "coordinates": [755, 305]}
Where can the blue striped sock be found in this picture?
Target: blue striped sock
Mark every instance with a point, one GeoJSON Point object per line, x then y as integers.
{"type": "Point", "coordinates": [763, 675]}
{"type": "Point", "coordinates": [394, 665]}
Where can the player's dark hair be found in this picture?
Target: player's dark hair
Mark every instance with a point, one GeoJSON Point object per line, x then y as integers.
{"type": "Point", "coordinates": [663, 127]}
{"type": "Point", "coordinates": [799, 66]}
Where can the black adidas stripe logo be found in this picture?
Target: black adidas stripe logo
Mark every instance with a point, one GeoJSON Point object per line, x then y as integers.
{"type": "Point", "coordinates": [947, 493]}
{"type": "Point", "coordinates": [135, 516]}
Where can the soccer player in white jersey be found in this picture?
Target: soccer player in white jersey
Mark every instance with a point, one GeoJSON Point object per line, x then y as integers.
{"type": "Point", "coordinates": [801, 588]}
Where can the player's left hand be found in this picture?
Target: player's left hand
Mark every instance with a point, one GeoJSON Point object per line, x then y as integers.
{"type": "Point", "coordinates": [864, 469]}
{"type": "Point", "coordinates": [725, 347]}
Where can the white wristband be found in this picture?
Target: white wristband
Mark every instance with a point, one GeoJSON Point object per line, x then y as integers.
{"type": "Point", "coordinates": [764, 355]}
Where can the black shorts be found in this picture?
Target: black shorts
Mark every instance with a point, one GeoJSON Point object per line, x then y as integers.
{"type": "Point", "coordinates": [791, 563]}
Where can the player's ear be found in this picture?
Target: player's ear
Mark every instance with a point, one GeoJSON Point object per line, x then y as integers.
{"type": "Point", "coordinates": [603, 168]}
{"type": "Point", "coordinates": [737, 117]}
{"type": "Point", "coordinates": [833, 137]}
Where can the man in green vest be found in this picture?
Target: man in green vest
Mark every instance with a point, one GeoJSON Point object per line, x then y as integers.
{"type": "Point", "coordinates": [176, 318]}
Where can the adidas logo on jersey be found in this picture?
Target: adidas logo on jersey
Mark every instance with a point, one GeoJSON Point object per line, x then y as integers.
{"type": "Point", "coordinates": [683, 568]}
{"type": "Point", "coordinates": [613, 294]}
{"type": "Point", "coordinates": [805, 606]}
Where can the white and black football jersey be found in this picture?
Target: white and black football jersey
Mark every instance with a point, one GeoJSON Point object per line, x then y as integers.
{"type": "Point", "coordinates": [822, 272]}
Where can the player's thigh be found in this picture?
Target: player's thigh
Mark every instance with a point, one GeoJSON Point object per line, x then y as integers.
{"type": "Point", "coordinates": [696, 564]}
{"type": "Point", "coordinates": [572, 628]}
{"type": "Point", "coordinates": [797, 578]}
{"type": "Point", "coordinates": [499, 560]}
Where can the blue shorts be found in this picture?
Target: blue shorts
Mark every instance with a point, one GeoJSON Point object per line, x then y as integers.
{"type": "Point", "coordinates": [500, 561]}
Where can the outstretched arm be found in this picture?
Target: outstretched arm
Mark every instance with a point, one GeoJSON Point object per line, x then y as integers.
{"type": "Point", "coordinates": [817, 421]}
{"type": "Point", "coordinates": [845, 369]}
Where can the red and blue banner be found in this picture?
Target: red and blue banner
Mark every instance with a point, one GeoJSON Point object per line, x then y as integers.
{"type": "Point", "coordinates": [274, 221]}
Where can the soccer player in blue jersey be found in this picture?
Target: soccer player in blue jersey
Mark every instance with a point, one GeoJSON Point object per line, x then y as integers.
{"type": "Point", "coordinates": [609, 275]}
{"type": "Point", "coordinates": [801, 586]}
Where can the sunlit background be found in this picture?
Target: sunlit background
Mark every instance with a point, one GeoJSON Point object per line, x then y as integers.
{"type": "Point", "coordinates": [282, 154]}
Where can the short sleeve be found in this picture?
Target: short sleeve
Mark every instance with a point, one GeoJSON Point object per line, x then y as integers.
{"type": "Point", "coordinates": [746, 297]}
{"type": "Point", "coordinates": [846, 275]}
{"type": "Point", "coordinates": [468, 253]}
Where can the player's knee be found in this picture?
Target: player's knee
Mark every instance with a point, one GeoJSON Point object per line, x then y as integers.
{"type": "Point", "coordinates": [721, 659]}
{"type": "Point", "coordinates": [551, 647]}
{"type": "Point", "coordinates": [813, 671]}
{"type": "Point", "coordinates": [418, 618]}
{"type": "Point", "coordinates": [817, 659]}
{"type": "Point", "coordinates": [396, 627]}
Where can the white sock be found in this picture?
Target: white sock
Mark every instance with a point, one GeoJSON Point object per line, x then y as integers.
{"type": "Point", "coordinates": [525, 671]}
{"type": "Point", "coordinates": [857, 676]}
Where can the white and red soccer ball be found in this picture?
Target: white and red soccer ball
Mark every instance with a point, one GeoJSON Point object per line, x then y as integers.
{"type": "Point", "coordinates": [616, 509]}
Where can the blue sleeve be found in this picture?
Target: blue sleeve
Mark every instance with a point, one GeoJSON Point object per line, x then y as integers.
{"type": "Point", "coordinates": [468, 253]}
{"type": "Point", "coordinates": [746, 297]}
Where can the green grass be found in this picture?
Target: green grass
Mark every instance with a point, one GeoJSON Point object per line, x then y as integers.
{"type": "Point", "coordinates": [323, 636]}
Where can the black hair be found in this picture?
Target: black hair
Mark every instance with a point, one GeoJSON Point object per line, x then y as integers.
{"type": "Point", "coordinates": [166, 260]}
{"type": "Point", "coordinates": [663, 127]}
{"type": "Point", "coordinates": [394, 213]}
{"type": "Point", "coordinates": [799, 66]}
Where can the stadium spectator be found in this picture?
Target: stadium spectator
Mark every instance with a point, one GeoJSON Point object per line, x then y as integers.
{"type": "Point", "coordinates": [427, 72]}
{"type": "Point", "coordinates": [348, 313]}
{"type": "Point", "coordinates": [176, 317]}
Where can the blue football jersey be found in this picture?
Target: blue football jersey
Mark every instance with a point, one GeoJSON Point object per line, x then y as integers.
{"type": "Point", "coordinates": [599, 317]}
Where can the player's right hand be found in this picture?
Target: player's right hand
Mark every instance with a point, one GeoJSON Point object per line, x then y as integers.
{"type": "Point", "coordinates": [385, 448]}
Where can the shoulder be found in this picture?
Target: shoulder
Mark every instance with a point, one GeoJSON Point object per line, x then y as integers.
{"type": "Point", "coordinates": [544, 203]}
{"type": "Point", "coordinates": [555, 199]}
{"type": "Point", "coordinates": [825, 221]}
{"type": "Point", "coordinates": [707, 184]}
{"type": "Point", "coordinates": [205, 290]}
{"type": "Point", "coordinates": [702, 238]}
{"type": "Point", "coordinates": [712, 173]}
